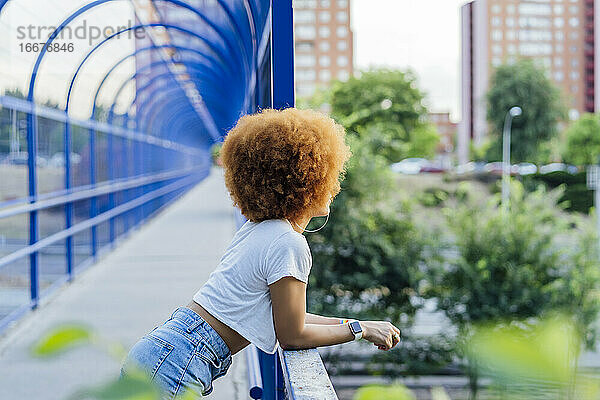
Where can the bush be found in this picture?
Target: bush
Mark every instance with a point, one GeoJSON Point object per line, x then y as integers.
{"type": "Point", "coordinates": [524, 262]}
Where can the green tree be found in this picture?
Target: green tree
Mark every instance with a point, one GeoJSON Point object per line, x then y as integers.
{"type": "Point", "coordinates": [522, 263]}
{"type": "Point", "coordinates": [385, 108]}
{"type": "Point", "coordinates": [583, 141]}
{"type": "Point", "coordinates": [526, 85]}
{"type": "Point", "coordinates": [369, 253]}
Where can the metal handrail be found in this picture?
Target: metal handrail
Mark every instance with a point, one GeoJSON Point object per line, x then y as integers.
{"type": "Point", "coordinates": [106, 188]}
{"type": "Point", "coordinates": [305, 375]}
{"type": "Point", "coordinates": [255, 382]}
{"type": "Point", "coordinates": [105, 216]}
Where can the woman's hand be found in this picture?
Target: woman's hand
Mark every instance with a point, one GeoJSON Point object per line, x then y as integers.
{"type": "Point", "coordinates": [382, 334]}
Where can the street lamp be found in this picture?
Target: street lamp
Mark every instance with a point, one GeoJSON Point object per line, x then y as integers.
{"type": "Point", "coordinates": [513, 112]}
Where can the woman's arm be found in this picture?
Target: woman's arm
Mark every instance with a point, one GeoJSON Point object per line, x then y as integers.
{"type": "Point", "coordinates": [288, 298]}
{"type": "Point", "coordinates": [321, 320]}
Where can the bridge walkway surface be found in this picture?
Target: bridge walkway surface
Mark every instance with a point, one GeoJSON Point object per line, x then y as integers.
{"type": "Point", "coordinates": [125, 294]}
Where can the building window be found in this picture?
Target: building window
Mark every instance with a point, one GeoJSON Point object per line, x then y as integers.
{"type": "Point", "coordinates": [558, 9]}
{"type": "Point", "coordinates": [324, 16]}
{"type": "Point", "coordinates": [574, 63]}
{"type": "Point", "coordinates": [341, 16]}
{"type": "Point", "coordinates": [510, 22]}
{"type": "Point", "coordinates": [342, 3]}
{"type": "Point", "coordinates": [306, 74]}
{"type": "Point", "coordinates": [325, 3]}
{"type": "Point", "coordinates": [324, 61]}
{"type": "Point", "coordinates": [558, 76]}
{"type": "Point", "coordinates": [574, 22]}
{"type": "Point", "coordinates": [574, 88]}
{"type": "Point", "coordinates": [342, 45]}
{"type": "Point", "coordinates": [535, 9]}
{"type": "Point", "coordinates": [560, 48]}
{"type": "Point", "coordinates": [559, 35]}
{"type": "Point", "coordinates": [497, 49]}
{"type": "Point", "coordinates": [559, 22]}
{"type": "Point", "coordinates": [512, 48]}
{"type": "Point", "coordinates": [305, 32]}
{"type": "Point", "coordinates": [324, 45]}
{"type": "Point", "coordinates": [573, 49]}
{"type": "Point", "coordinates": [304, 16]}
{"type": "Point", "coordinates": [496, 61]}
{"type": "Point", "coordinates": [342, 61]}
{"type": "Point", "coordinates": [574, 35]}
{"type": "Point", "coordinates": [305, 89]}
{"type": "Point", "coordinates": [497, 34]}
{"type": "Point", "coordinates": [511, 35]}
{"type": "Point", "coordinates": [496, 21]}
{"type": "Point", "coordinates": [574, 75]}
{"type": "Point", "coordinates": [342, 31]}
{"type": "Point", "coordinates": [535, 49]}
{"type": "Point", "coordinates": [510, 9]}
{"type": "Point", "coordinates": [496, 9]}
{"type": "Point", "coordinates": [324, 31]}
{"type": "Point", "coordinates": [325, 75]}
{"type": "Point", "coordinates": [305, 60]}
{"type": "Point", "coordinates": [305, 46]}
{"type": "Point", "coordinates": [305, 4]}
{"type": "Point", "coordinates": [558, 61]}
{"type": "Point", "coordinates": [574, 9]}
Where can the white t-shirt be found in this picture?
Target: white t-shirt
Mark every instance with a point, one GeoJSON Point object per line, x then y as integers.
{"type": "Point", "coordinates": [237, 291]}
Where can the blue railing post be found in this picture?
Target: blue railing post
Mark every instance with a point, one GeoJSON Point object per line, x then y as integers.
{"type": "Point", "coordinates": [33, 216]}
{"type": "Point", "coordinates": [68, 205]}
{"type": "Point", "coordinates": [282, 96]}
{"type": "Point", "coordinates": [93, 200]}
{"type": "Point", "coordinates": [282, 54]}
{"type": "Point", "coordinates": [111, 196]}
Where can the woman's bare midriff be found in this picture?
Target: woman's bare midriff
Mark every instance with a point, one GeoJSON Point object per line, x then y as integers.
{"type": "Point", "coordinates": [232, 339]}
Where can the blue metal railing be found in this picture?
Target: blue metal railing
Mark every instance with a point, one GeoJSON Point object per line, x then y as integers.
{"type": "Point", "coordinates": [138, 162]}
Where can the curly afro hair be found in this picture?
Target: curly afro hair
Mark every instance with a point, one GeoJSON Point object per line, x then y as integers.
{"type": "Point", "coordinates": [283, 164]}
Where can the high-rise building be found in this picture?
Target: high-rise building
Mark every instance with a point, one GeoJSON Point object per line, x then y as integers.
{"type": "Point", "coordinates": [558, 33]}
{"type": "Point", "coordinates": [324, 43]}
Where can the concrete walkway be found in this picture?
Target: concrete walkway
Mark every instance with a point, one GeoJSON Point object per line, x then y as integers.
{"type": "Point", "coordinates": [126, 294]}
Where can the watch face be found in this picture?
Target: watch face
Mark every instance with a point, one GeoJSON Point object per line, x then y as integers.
{"type": "Point", "coordinates": [355, 326]}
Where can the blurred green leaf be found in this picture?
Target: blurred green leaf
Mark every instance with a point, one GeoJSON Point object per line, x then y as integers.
{"type": "Point", "coordinates": [378, 392]}
{"type": "Point", "coordinates": [546, 352]}
{"type": "Point", "coordinates": [61, 339]}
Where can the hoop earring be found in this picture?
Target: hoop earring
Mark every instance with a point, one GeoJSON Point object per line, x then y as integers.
{"type": "Point", "coordinates": [314, 230]}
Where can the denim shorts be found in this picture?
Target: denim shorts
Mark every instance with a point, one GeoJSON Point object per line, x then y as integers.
{"type": "Point", "coordinates": [183, 354]}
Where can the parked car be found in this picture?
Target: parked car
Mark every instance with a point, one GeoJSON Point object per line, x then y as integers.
{"type": "Point", "coordinates": [471, 167]}
{"type": "Point", "coordinates": [17, 158]}
{"type": "Point", "coordinates": [526, 168]}
{"type": "Point", "coordinates": [22, 157]}
{"type": "Point", "coordinates": [496, 167]}
{"type": "Point", "coordinates": [409, 166]}
{"type": "Point", "coordinates": [432, 167]}
{"type": "Point", "coordinates": [554, 167]}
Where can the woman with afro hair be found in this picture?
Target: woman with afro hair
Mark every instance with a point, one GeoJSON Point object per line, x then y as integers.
{"type": "Point", "coordinates": [282, 168]}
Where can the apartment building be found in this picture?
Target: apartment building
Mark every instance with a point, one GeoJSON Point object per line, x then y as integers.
{"type": "Point", "coordinates": [324, 44]}
{"type": "Point", "coordinates": [558, 33]}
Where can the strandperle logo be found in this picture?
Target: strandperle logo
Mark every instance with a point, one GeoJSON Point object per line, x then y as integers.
{"type": "Point", "coordinates": [83, 31]}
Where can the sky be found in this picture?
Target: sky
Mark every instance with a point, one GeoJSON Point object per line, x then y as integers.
{"type": "Point", "coordinates": [423, 35]}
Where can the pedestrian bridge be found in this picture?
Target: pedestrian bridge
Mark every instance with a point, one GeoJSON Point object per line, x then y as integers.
{"type": "Point", "coordinates": [153, 270]}
{"type": "Point", "coordinates": [111, 212]}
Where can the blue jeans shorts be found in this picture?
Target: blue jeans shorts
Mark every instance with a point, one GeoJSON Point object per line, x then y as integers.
{"type": "Point", "coordinates": [183, 354]}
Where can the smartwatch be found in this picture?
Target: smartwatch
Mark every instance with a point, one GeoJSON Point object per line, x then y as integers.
{"type": "Point", "coordinates": [356, 329]}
